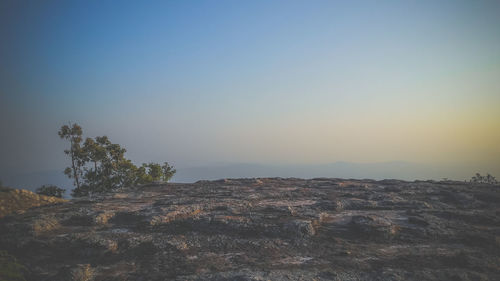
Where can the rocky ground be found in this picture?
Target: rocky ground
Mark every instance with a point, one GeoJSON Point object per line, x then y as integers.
{"type": "Point", "coordinates": [19, 200]}
{"type": "Point", "coordinates": [265, 229]}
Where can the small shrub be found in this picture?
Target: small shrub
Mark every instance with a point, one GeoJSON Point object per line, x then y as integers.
{"type": "Point", "coordinates": [50, 190]}
{"type": "Point", "coordinates": [10, 269]}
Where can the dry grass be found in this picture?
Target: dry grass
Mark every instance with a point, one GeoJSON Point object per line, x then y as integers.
{"type": "Point", "coordinates": [44, 224]}
{"type": "Point", "coordinates": [83, 272]}
{"type": "Point", "coordinates": [103, 218]}
{"type": "Point", "coordinates": [19, 200]}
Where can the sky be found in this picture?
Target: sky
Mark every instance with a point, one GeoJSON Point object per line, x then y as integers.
{"type": "Point", "coordinates": [199, 83]}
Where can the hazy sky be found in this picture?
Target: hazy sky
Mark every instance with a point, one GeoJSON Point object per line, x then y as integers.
{"type": "Point", "coordinates": [281, 82]}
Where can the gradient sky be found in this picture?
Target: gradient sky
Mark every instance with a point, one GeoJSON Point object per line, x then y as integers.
{"type": "Point", "coordinates": [273, 82]}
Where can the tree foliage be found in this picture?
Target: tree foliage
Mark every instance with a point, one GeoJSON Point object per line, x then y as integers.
{"type": "Point", "coordinates": [50, 190]}
{"type": "Point", "coordinates": [98, 165]}
{"type": "Point", "coordinates": [168, 171]}
{"type": "Point", "coordinates": [488, 179]}
{"type": "Point", "coordinates": [73, 133]}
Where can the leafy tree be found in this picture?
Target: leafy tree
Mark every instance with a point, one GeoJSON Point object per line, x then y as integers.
{"type": "Point", "coordinates": [94, 152]}
{"type": "Point", "coordinates": [50, 190]}
{"type": "Point", "coordinates": [168, 172]}
{"type": "Point", "coordinates": [154, 170]}
{"type": "Point", "coordinates": [157, 172]}
{"type": "Point", "coordinates": [98, 165]}
{"type": "Point", "coordinates": [142, 175]}
{"type": "Point", "coordinates": [126, 173]}
{"type": "Point", "coordinates": [488, 179]}
{"type": "Point", "coordinates": [115, 167]}
{"type": "Point", "coordinates": [106, 167]}
{"type": "Point", "coordinates": [73, 133]}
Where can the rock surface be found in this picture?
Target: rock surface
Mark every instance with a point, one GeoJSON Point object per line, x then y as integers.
{"type": "Point", "coordinates": [265, 229]}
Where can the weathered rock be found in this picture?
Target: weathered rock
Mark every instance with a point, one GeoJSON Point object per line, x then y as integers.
{"type": "Point", "coordinates": [264, 229]}
{"type": "Point", "coordinates": [300, 228]}
{"type": "Point", "coordinates": [373, 227]}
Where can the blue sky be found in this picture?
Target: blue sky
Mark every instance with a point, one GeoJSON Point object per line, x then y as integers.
{"type": "Point", "coordinates": [273, 82]}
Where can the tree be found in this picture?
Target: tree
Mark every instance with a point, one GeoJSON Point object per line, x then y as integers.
{"type": "Point", "coordinates": [154, 170]}
{"type": "Point", "coordinates": [105, 167]}
{"type": "Point", "coordinates": [168, 172]}
{"type": "Point", "coordinates": [488, 179]}
{"type": "Point", "coordinates": [73, 133]}
{"type": "Point", "coordinates": [94, 152]}
{"type": "Point", "coordinates": [98, 165]}
{"type": "Point", "coordinates": [50, 190]}
{"type": "Point", "coordinates": [142, 175]}
{"type": "Point", "coordinates": [157, 172]}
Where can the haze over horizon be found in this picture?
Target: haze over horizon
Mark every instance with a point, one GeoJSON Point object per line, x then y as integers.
{"type": "Point", "coordinates": [275, 83]}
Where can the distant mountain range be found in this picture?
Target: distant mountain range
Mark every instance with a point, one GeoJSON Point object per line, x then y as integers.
{"type": "Point", "coordinates": [383, 170]}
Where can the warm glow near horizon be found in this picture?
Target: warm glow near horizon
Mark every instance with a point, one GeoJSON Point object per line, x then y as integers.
{"type": "Point", "coordinates": [280, 82]}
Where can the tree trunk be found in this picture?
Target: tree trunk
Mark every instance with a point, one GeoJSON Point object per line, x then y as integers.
{"type": "Point", "coordinates": [75, 173]}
